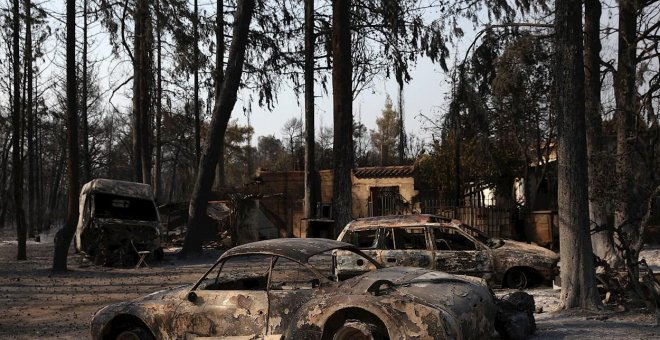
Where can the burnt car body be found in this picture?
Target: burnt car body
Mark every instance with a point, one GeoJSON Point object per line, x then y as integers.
{"type": "Point", "coordinates": [287, 288]}
{"type": "Point", "coordinates": [444, 244]}
{"type": "Point", "coordinates": [116, 219]}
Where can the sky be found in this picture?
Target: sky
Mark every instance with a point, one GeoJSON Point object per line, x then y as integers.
{"type": "Point", "coordinates": [424, 95]}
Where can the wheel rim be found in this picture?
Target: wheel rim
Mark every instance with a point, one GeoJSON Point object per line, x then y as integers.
{"type": "Point", "coordinates": [128, 335]}
{"type": "Point", "coordinates": [517, 279]}
{"type": "Point", "coordinates": [354, 331]}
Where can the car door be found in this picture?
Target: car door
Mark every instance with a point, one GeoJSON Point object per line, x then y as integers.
{"type": "Point", "coordinates": [231, 303]}
{"type": "Point", "coordinates": [405, 246]}
{"type": "Point", "coordinates": [457, 253]}
{"type": "Point", "coordinates": [291, 286]}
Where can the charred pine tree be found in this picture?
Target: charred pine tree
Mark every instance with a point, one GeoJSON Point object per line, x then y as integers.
{"type": "Point", "coordinates": [17, 162]}
{"type": "Point", "coordinates": [84, 129]}
{"type": "Point", "coordinates": [310, 164]}
{"type": "Point", "coordinates": [627, 216]}
{"type": "Point", "coordinates": [158, 181]}
{"type": "Point", "coordinates": [602, 239]}
{"type": "Point", "coordinates": [196, 81]}
{"type": "Point", "coordinates": [65, 235]}
{"type": "Point", "coordinates": [4, 160]}
{"type": "Point", "coordinates": [402, 129]}
{"type": "Point", "coordinates": [29, 112]}
{"type": "Point", "coordinates": [342, 102]}
{"type": "Point", "coordinates": [578, 289]}
{"type": "Point", "coordinates": [223, 106]}
{"type": "Point", "coordinates": [142, 91]}
{"type": "Point", "coordinates": [219, 76]}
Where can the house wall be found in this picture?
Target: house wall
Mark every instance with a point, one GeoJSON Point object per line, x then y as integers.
{"type": "Point", "coordinates": [253, 224]}
{"type": "Point", "coordinates": [362, 191]}
{"type": "Point", "coordinates": [282, 194]}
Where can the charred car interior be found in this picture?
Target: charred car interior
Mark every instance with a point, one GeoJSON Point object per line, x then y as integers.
{"type": "Point", "coordinates": [439, 243]}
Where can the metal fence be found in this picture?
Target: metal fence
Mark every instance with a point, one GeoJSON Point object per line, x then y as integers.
{"type": "Point", "coordinates": [492, 218]}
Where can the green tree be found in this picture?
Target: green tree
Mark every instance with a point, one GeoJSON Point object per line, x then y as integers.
{"type": "Point", "coordinates": [237, 152]}
{"type": "Point", "coordinates": [385, 138]}
{"type": "Point", "coordinates": [271, 154]}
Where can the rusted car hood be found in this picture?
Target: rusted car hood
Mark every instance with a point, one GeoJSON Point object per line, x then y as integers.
{"type": "Point", "coordinates": [531, 249]}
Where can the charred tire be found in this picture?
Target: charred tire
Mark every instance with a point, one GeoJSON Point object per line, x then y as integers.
{"type": "Point", "coordinates": [517, 278]}
{"type": "Point", "coordinates": [358, 330]}
{"type": "Point", "coordinates": [135, 333]}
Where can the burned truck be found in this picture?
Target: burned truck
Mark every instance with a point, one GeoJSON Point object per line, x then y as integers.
{"type": "Point", "coordinates": [117, 219]}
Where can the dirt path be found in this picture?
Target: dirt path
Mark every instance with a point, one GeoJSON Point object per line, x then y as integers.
{"type": "Point", "coordinates": [34, 305]}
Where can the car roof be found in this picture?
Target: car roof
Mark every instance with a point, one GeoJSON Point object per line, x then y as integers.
{"type": "Point", "coordinates": [116, 187]}
{"type": "Point", "coordinates": [400, 221]}
{"type": "Point", "coordinates": [299, 249]}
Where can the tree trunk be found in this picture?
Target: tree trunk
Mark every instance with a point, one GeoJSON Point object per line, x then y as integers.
{"type": "Point", "coordinates": [142, 91]}
{"type": "Point", "coordinates": [601, 241]}
{"type": "Point", "coordinates": [196, 82]}
{"type": "Point", "coordinates": [342, 102]}
{"type": "Point", "coordinates": [402, 130]}
{"type": "Point", "coordinates": [17, 162]}
{"type": "Point", "coordinates": [4, 160]}
{"type": "Point", "coordinates": [175, 163]}
{"type": "Point", "coordinates": [158, 180]}
{"type": "Point", "coordinates": [626, 204]}
{"type": "Point", "coordinates": [310, 164]}
{"type": "Point", "coordinates": [224, 104]}
{"type": "Point", "coordinates": [219, 77]}
{"type": "Point", "coordinates": [29, 112]}
{"type": "Point", "coordinates": [53, 196]}
{"type": "Point", "coordinates": [578, 289]}
{"type": "Point", "coordinates": [65, 235]}
{"type": "Point", "coordinates": [87, 163]}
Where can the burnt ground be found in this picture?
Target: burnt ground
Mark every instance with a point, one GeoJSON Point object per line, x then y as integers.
{"type": "Point", "coordinates": [36, 305]}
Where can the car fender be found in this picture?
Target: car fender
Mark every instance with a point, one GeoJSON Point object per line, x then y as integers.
{"type": "Point", "coordinates": [402, 317]}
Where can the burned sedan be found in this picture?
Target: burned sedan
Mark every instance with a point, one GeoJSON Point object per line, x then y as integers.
{"type": "Point", "coordinates": [288, 288]}
{"type": "Point", "coordinates": [116, 220]}
{"type": "Point", "coordinates": [440, 243]}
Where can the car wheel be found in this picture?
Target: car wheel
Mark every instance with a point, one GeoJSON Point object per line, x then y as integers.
{"type": "Point", "coordinates": [517, 279]}
{"type": "Point", "coordinates": [358, 330]}
{"type": "Point", "coordinates": [137, 333]}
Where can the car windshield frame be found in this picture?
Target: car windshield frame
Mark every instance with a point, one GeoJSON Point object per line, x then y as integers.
{"type": "Point", "coordinates": [466, 229]}
{"type": "Point", "coordinates": [221, 261]}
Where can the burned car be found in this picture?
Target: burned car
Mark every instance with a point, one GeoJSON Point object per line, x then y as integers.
{"type": "Point", "coordinates": [440, 243]}
{"type": "Point", "coordinates": [288, 288]}
{"type": "Point", "coordinates": [116, 220]}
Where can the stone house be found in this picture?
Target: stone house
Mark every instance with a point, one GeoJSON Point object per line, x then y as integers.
{"type": "Point", "coordinates": [276, 207]}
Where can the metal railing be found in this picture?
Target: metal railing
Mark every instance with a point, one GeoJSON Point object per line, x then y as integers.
{"type": "Point", "coordinates": [492, 218]}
